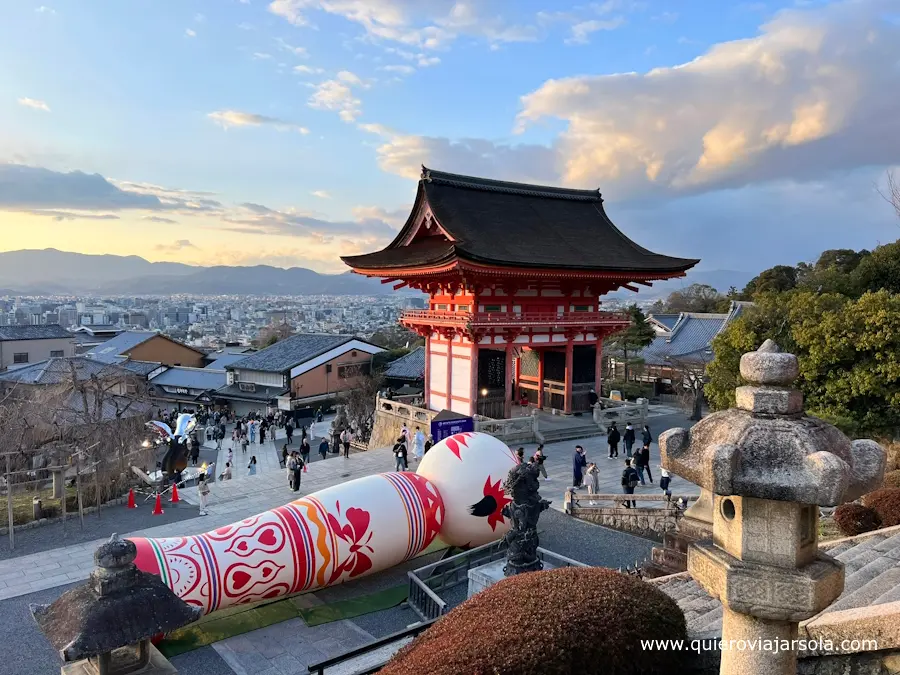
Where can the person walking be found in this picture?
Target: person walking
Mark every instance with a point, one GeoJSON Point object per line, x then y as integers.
{"type": "Point", "coordinates": [230, 455]}
{"type": "Point", "coordinates": [418, 444]}
{"type": "Point", "coordinates": [235, 436]}
{"type": "Point", "coordinates": [592, 479]}
{"type": "Point", "coordinates": [244, 443]}
{"type": "Point", "coordinates": [664, 480]}
{"type": "Point", "coordinates": [289, 466]}
{"type": "Point", "coordinates": [202, 492]}
{"type": "Point", "coordinates": [579, 461]}
{"type": "Point", "coordinates": [539, 458]}
{"type": "Point", "coordinates": [612, 438]}
{"type": "Point", "coordinates": [642, 463]}
{"type": "Point", "coordinates": [646, 436]}
{"type": "Point", "coordinates": [251, 467]}
{"type": "Point", "coordinates": [219, 437]}
{"type": "Point", "coordinates": [628, 437]}
{"type": "Point", "coordinates": [289, 432]}
{"type": "Point", "coordinates": [629, 482]}
{"type": "Point", "coordinates": [284, 456]}
{"type": "Point", "coordinates": [400, 463]}
{"type": "Point", "coordinates": [428, 443]}
{"type": "Point", "coordinates": [345, 442]}
{"type": "Point", "coordinates": [195, 453]}
{"type": "Point", "coordinates": [252, 431]}
{"type": "Point", "coordinates": [323, 448]}
{"type": "Point", "coordinates": [298, 471]}
{"type": "Point", "coordinates": [262, 434]}
{"type": "Point", "coordinates": [304, 452]}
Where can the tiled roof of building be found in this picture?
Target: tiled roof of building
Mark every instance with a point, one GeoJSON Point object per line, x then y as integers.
{"type": "Point", "coordinates": [667, 320]}
{"type": "Point", "coordinates": [52, 332]}
{"type": "Point", "coordinates": [408, 367]}
{"type": "Point", "coordinates": [691, 338]}
{"type": "Point", "coordinates": [292, 351]}
{"type": "Point", "coordinates": [190, 378]}
{"type": "Point", "coordinates": [225, 360]}
{"type": "Point", "coordinates": [122, 343]}
{"type": "Point", "coordinates": [514, 224]}
{"type": "Point", "coordinates": [143, 368]}
{"type": "Point", "coordinates": [871, 566]}
{"type": "Point", "coordinates": [59, 370]}
{"type": "Point", "coordinates": [74, 410]}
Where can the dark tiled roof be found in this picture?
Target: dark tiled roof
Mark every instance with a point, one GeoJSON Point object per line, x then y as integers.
{"type": "Point", "coordinates": [139, 367]}
{"type": "Point", "coordinates": [871, 567]}
{"type": "Point", "coordinates": [513, 224]}
{"type": "Point", "coordinates": [51, 332]}
{"type": "Point", "coordinates": [110, 350]}
{"type": "Point", "coordinates": [667, 320]}
{"type": "Point", "coordinates": [190, 378]}
{"type": "Point", "coordinates": [225, 360]}
{"type": "Point", "coordinates": [408, 367]}
{"type": "Point", "coordinates": [292, 351]}
{"type": "Point", "coordinates": [691, 338]}
{"type": "Point", "coordinates": [261, 393]}
{"type": "Point", "coordinates": [58, 370]}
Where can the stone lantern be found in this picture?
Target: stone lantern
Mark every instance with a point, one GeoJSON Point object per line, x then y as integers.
{"type": "Point", "coordinates": [104, 627]}
{"type": "Point", "coordinates": [769, 468]}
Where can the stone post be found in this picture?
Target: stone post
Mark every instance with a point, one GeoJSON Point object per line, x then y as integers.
{"type": "Point", "coordinates": [768, 467]}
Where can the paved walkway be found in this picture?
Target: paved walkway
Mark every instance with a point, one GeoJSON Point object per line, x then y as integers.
{"type": "Point", "coordinates": [245, 496]}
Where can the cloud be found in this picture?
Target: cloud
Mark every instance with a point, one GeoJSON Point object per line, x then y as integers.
{"type": "Point", "coordinates": [337, 95]}
{"type": "Point", "coordinates": [813, 93]}
{"type": "Point", "coordinates": [160, 219]}
{"type": "Point", "coordinates": [321, 194]}
{"type": "Point", "coordinates": [34, 103]}
{"type": "Point", "coordinates": [394, 217]}
{"type": "Point", "coordinates": [233, 118]}
{"type": "Point", "coordinates": [189, 32]}
{"type": "Point", "coordinates": [261, 56]}
{"type": "Point", "coordinates": [582, 30]}
{"type": "Point", "coordinates": [401, 69]}
{"type": "Point", "coordinates": [421, 59]}
{"type": "Point", "coordinates": [26, 188]}
{"type": "Point", "coordinates": [43, 9]}
{"type": "Point", "coordinates": [69, 215]}
{"type": "Point", "coordinates": [246, 26]}
{"type": "Point", "coordinates": [175, 246]}
{"type": "Point", "coordinates": [665, 17]}
{"type": "Point", "coordinates": [308, 70]}
{"type": "Point", "coordinates": [427, 24]}
{"type": "Point", "coordinates": [296, 51]}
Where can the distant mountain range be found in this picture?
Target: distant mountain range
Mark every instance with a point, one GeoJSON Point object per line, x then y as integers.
{"type": "Point", "coordinates": [50, 271]}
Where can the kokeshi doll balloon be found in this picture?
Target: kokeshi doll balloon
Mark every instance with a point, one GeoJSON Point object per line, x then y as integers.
{"type": "Point", "coordinates": [326, 538]}
{"type": "Point", "coordinates": [469, 470]}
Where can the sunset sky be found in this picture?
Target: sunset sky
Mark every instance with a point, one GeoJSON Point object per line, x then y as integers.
{"type": "Point", "coordinates": [289, 132]}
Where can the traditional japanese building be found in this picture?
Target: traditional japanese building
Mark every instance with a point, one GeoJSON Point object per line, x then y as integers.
{"type": "Point", "coordinates": [514, 274]}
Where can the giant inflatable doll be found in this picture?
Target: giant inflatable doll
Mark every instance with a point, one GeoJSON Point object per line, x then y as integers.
{"type": "Point", "coordinates": [343, 532]}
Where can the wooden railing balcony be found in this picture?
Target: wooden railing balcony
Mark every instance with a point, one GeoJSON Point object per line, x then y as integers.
{"type": "Point", "coordinates": [507, 319]}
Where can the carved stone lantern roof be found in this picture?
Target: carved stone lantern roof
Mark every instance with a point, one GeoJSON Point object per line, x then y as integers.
{"type": "Point", "coordinates": [118, 606]}
{"type": "Point", "coordinates": [767, 448]}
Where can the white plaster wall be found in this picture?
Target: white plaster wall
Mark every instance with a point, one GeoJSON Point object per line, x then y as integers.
{"type": "Point", "coordinates": [461, 380]}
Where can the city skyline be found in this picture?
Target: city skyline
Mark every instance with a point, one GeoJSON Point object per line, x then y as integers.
{"type": "Point", "coordinates": [244, 132]}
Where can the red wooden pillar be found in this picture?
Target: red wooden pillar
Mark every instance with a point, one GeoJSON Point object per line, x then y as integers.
{"type": "Point", "coordinates": [570, 351]}
{"type": "Point", "coordinates": [428, 370]}
{"type": "Point", "coordinates": [507, 389]}
{"type": "Point", "coordinates": [598, 367]}
{"type": "Point", "coordinates": [540, 376]}
{"type": "Point", "coordinates": [473, 387]}
{"type": "Point", "coordinates": [450, 336]}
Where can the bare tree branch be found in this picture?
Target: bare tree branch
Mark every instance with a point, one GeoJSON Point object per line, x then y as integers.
{"type": "Point", "coordinates": [891, 194]}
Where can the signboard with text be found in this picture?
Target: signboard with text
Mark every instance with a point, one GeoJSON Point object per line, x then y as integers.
{"type": "Point", "coordinates": [446, 423]}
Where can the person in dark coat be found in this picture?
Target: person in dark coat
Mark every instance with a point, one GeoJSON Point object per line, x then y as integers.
{"type": "Point", "coordinates": [289, 432]}
{"type": "Point", "coordinates": [298, 470]}
{"type": "Point", "coordinates": [642, 463]}
{"type": "Point", "coordinates": [579, 462]}
{"type": "Point", "coordinates": [628, 437]}
{"type": "Point", "coordinates": [323, 448]}
{"type": "Point", "coordinates": [629, 482]}
{"type": "Point", "coordinates": [646, 437]}
{"type": "Point", "coordinates": [400, 455]}
{"type": "Point", "coordinates": [612, 437]}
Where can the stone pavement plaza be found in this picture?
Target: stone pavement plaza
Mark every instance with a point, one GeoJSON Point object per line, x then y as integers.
{"type": "Point", "coordinates": [244, 496]}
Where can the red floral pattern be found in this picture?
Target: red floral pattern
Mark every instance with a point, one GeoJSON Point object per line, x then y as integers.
{"type": "Point", "coordinates": [355, 532]}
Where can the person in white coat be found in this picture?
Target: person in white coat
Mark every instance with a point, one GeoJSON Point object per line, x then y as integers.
{"type": "Point", "coordinates": [419, 444]}
{"type": "Point", "coordinates": [203, 492]}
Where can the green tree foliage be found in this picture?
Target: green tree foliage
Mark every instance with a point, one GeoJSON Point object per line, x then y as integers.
{"type": "Point", "coordinates": [849, 353]}
{"type": "Point", "coordinates": [773, 280]}
{"type": "Point", "coordinates": [396, 337]}
{"type": "Point", "coordinates": [879, 270]}
{"type": "Point", "coordinates": [626, 343]}
{"type": "Point", "coordinates": [696, 298]}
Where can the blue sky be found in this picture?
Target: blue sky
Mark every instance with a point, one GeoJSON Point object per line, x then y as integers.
{"type": "Point", "coordinates": [289, 132]}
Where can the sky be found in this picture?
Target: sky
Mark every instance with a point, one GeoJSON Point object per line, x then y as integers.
{"type": "Point", "coordinates": [290, 132]}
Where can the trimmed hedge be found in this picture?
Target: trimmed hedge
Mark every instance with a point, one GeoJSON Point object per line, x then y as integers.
{"type": "Point", "coordinates": [562, 621]}
{"type": "Point", "coordinates": [886, 503]}
{"type": "Point", "coordinates": [853, 519]}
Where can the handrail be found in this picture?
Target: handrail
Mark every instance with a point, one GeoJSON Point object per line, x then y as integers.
{"type": "Point", "coordinates": [319, 668]}
{"type": "Point", "coordinates": [513, 317]}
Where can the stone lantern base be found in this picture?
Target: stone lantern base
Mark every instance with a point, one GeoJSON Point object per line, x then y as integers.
{"type": "Point", "coordinates": [158, 665]}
